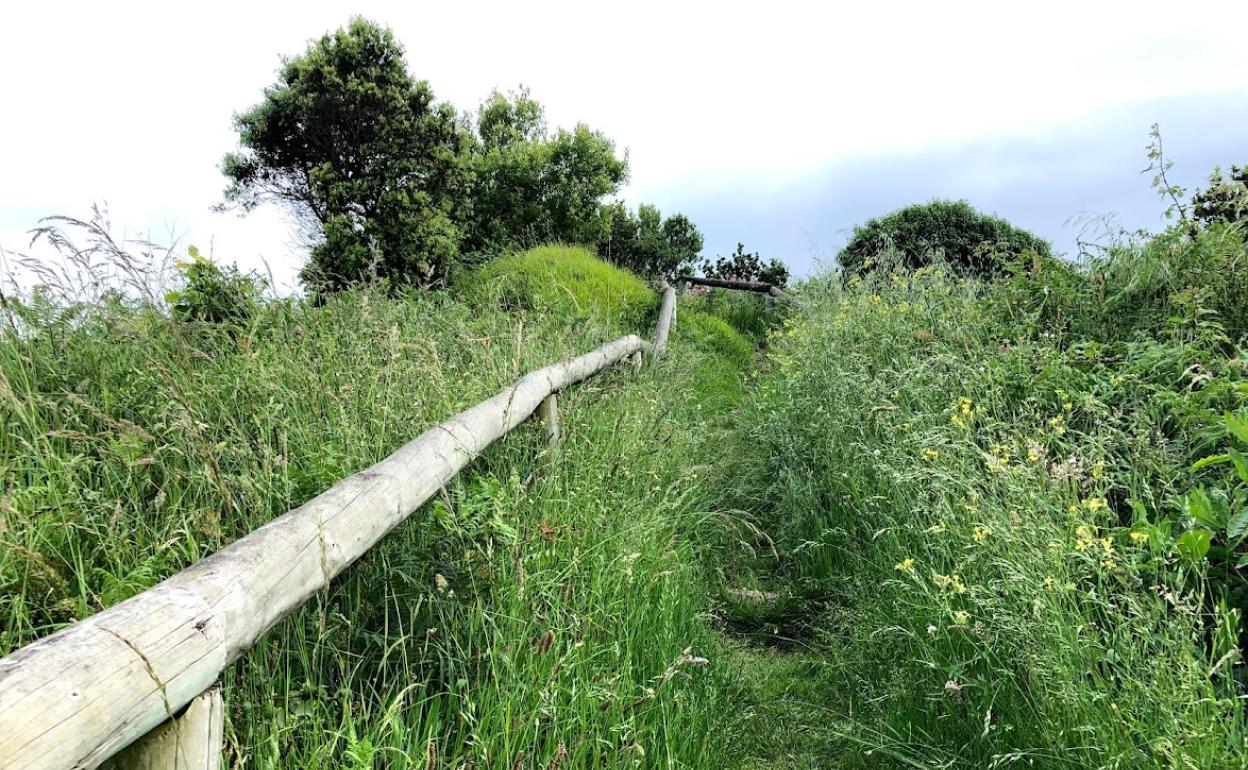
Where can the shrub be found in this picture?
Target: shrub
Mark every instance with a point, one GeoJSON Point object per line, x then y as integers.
{"type": "Point", "coordinates": [742, 265]}
{"type": "Point", "coordinates": [971, 242]}
{"type": "Point", "coordinates": [985, 517]}
{"type": "Point", "coordinates": [213, 294]}
{"type": "Point", "coordinates": [1225, 199]}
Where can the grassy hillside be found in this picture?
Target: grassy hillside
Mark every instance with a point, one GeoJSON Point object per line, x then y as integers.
{"type": "Point", "coordinates": [987, 536]}
{"type": "Point", "coordinates": [927, 522]}
{"type": "Point", "coordinates": [544, 612]}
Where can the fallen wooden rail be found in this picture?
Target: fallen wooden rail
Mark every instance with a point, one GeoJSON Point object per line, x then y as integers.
{"type": "Point", "coordinates": [723, 283]}
{"type": "Point", "coordinates": [76, 698]}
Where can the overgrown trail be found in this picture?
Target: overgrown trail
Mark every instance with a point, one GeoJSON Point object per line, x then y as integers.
{"type": "Point", "coordinates": [939, 524]}
{"type": "Point", "coordinates": [969, 527]}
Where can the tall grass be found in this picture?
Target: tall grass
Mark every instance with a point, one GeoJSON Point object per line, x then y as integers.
{"type": "Point", "coordinates": [544, 612]}
{"type": "Point", "coordinates": [968, 497]}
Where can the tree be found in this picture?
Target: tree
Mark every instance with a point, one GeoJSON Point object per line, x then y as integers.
{"type": "Point", "coordinates": [369, 165]}
{"type": "Point", "coordinates": [972, 242]}
{"type": "Point", "coordinates": [532, 186]}
{"type": "Point", "coordinates": [1225, 199]}
{"type": "Point", "coordinates": [742, 265]}
{"type": "Point", "coordinates": [646, 243]}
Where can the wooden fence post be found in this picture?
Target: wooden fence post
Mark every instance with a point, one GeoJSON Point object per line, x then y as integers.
{"type": "Point", "coordinates": [667, 314]}
{"type": "Point", "coordinates": [192, 740]}
{"type": "Point", "coordinates": [549, 412]}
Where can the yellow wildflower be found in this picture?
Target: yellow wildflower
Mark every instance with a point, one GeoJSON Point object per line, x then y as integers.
{"type": "Point", "coordinates": [1058, 425]}
{"type": "Point", "coordinates": [1094, 504]}
{"type": "Point", "coordinates": [981, 534]}
{"type": "Point", "coordinates": [1085, 537]}
{"type": "Point", "coordinates": [1139, 537]}
{"type": "Point", "coordinates": [961, 617]}
{"type": "Point", "coordinates": [951, 583]}
{"type": "Point", "coordinates": [1049, 582]}
{"type": "Point", "coordinates": [999, 460]}
{"type": "Point", "coordinates": [931, 454]}
{"type": "Point", "coordinates": [905, 565]}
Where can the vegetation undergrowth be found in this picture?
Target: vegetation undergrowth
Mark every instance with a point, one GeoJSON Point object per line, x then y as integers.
{"type": "Point", "coordinates": [998, 524]}
{"type": "Point", "coordinates": [546, 611]}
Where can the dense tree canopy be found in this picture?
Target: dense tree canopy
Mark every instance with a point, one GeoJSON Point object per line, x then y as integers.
{"type": "Point", "coordinates": [646, 243]}
{"type": "Point", "coordinates": [969, 240]}
{"type": "Point", "coordinates": [385, 182]}
{"type": "Point", "coordinates": [372, 168]}
{"type": "Point", "coordinates": [531, 186]}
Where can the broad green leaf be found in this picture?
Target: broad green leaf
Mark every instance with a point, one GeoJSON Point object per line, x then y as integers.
{"type": "Point", "coordinates": [1238, 525]}
{"type": "Point", "coordinates": [1238, 426]}
{"type": "Point", "coordinates": [1194, 544]}
{"type": "Point", "coordinates": [1241, 464]}
{"type": "Point", "coordinates": [1205, 462]}
{"type": "Point", "coordinates": [1200, 509]}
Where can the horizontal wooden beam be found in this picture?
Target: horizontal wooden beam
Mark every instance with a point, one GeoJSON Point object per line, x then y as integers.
{"type": "Point", "coordinates": [78, 697]}
{"type": "Point", "coordinates": [724, 283]}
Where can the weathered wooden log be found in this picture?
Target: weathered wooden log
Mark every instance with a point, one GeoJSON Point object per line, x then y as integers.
{"type": "Point", "coordinates": [667, 314]}
{"type": "Point", "coordinates": [190, 741]}
{"type": "Point", "coordinates": [772, 292]}
{"type": "Point", "coordinates": [78, 697]}
{"type": "Point", "coordinates": [724, 283]}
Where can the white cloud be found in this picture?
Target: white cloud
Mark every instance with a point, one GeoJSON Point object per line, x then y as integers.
{"type": "Point", "coordinates": [132, 102]}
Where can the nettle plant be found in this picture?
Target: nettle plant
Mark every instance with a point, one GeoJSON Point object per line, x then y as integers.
{"type": "Point", "coordinates": [1219, 514]}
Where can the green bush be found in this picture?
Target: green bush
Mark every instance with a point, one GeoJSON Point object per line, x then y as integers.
{"type": "Point", "coordinates": [744, 311]}
{"type": "Point", "coordinates": [970, 241]}
{"type": "Point", "coordinates": [213, 294]}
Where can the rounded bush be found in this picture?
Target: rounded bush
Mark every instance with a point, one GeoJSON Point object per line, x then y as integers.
{"type": "Point", "coordinates": [968, 240]}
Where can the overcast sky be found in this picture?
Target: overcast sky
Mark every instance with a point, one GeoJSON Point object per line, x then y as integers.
{"type": "Point", "coordinates": [773, 123]}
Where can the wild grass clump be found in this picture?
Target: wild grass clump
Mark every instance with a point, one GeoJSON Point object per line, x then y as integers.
{"type": "Point", "coordinates": [544, 612]}
{"type": "Point", "coordinates": [744, 311]}
{"type": "Point", "coordinates": [567, 281]}
{"type": "Point", "coordinates": [981, 495]}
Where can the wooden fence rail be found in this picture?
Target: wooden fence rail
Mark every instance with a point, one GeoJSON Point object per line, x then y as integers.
{"type": "Point", "coordinates": [81, 695]}
{"type": "Point", "coordinates": [723, 283]}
